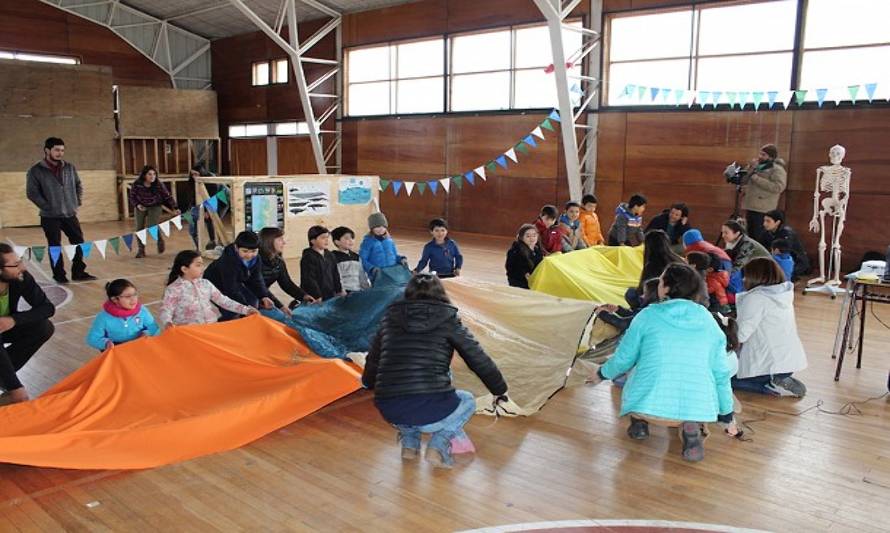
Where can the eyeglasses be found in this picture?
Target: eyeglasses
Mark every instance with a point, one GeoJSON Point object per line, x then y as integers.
{"type": "Point", "coordinates": [135, 294]}
{"type": "Point", "coordinates": [15, 265]}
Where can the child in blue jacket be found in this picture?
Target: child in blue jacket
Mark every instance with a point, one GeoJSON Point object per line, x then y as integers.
{"type": "Point", "coordinates": [122, 317]}
{"type": "Point", "coordinates": [441, 253]}
{"type": "Point", "coordinates": [378, 250]}
{"type": "Point", "coordinates": [781, 250]}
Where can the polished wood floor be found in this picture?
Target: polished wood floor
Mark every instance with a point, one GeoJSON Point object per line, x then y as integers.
{"type": "Point", "coordinates": [339, 469]}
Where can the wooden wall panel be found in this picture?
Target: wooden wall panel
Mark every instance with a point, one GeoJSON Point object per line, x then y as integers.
{"type": "Point", "coordinates": [415, 211]}
{"type": "Point", "coordinates": [193, 113]}
{"type": "Point", "coordinates": [248, 157]}
{"type": "Point", "coordinates": [473, 141]}
{"type": "Point", "coordinates": [295, 156]}
{"type": "Point", "coordinates": [407, 146]}
{"type": "Point", "coordinates": [407, 21]}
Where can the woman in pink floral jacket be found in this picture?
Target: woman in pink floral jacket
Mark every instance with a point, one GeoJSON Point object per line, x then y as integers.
{"type": "Point", "coordinates": [190, 299]}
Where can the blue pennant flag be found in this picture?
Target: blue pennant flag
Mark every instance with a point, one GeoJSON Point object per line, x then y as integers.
{"type": "Point", "coordinates": [653, 92]}
{"type": "Point", "coordinates": [743, 98]}
{"type": "Point", "coordinates": [554, 115]}
{"type": "Point", "coordinates": [212, 204]}
{"type": "Point", "coordinates": [703, 97]}
{"type": "Point", "coordinates": [629, 90]}
{"type": "Point", "coordinates": [128, 240]}
{"type": "Point", "coordinates": [820, 96]}
{"type": "Point", "coordinates": [771, 98]}
{"type": "Point", "coordinates": [469, 177]}
{"type": "Point", "coordinates": [54, 253]}
{"type": "Point", "coordinates": [870, 90]}
{"type": "Point", "coordinates": [396, 187]}
{"type": "Point", "coordinates": [502, 161]}
{"type": "Point", "coordinates": [715, 97]}
{"type": "Point", "coordinates": [434, 185]}
{"type": "Point", "coordinates": [153, 231]}
{"type": "Point", "coordinates": [529, 140]}
{"type": "Point", "coordinates": [86, 248]}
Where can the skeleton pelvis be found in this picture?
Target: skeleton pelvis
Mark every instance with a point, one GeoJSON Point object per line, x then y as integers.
{"type": "Point", "coordinates": [831, 207]}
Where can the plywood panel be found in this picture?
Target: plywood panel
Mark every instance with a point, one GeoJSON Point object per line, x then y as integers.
{"type": "Point", "coordinates": [194, 113]}
{"type": "Point", "coordinates": [248, 157]}
{"type": "Point", "coordinates": [610, 147]}
{"type": "Point", "coordinates": [99, 198]}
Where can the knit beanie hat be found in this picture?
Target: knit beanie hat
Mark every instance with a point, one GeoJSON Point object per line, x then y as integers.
{"type": "Point", "coordinates": [770, 150]}
{"type": "Point", "coordinates": [375, 220]}
{"type": "Point", "coordinates": [247, 239]}
{"type": "Point", "coordinates": [691, 237]}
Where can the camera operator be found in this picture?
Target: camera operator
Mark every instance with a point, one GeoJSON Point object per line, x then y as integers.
{"type": "Point", "coordinates": [767, 178]}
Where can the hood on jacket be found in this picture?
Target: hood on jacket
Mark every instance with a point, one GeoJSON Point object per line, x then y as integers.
{"type": "Point", "coordinates": [681, 314]}
{"type": "Point", "coordinates": [781, 294]}
{"type": "Point", "coordinates": [781, 162]}
{"type": "Point", "coordinates": [418, 316]}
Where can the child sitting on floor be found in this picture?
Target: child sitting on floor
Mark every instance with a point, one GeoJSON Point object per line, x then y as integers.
{"type": "Point", "coordinates": [590, 222]}
{"type": "Point", "coordinates": [523, 257]}
{"type": "Point", "coordinates": [349, 264]}
{"type": "Point", "coordinates": [716, 279]}
{"type": "Point", "coordinates": [189, 298]}
{"type": "Point", "coordinates": [570, 224]}
{"type": "Point", "coordinates": [378, 250]}
{"type": "Point", "coordinates": [620, 317]}
{"type": "Point", "coordinates": [441, 253]}
{"type": "Point", "coordinates": [549, 232]}
{"type": "Point", "coordinates": [408, 369]}
{"type": "Point", "coordinates": [680, 372]}
{"type": "Point", "coordinates": [319, 275]}
{"type": "Point", "coordinates": [122, 317]}
{"type": "Point", "coordinates": [781, 250]}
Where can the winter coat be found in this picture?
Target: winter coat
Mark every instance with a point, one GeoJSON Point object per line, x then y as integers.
{"type": "Point", "coordinates": [717, 282]}
{"type": "Point", "coordinates": [572, 234]}
{"type": "Point", "coordinates": [107, 327]}
{"type": "Point", "coordinates": [798, 253]}
{"type": "Point", "coordinates": [768, 332]}
{"type": "Point", "coordinates": [745, 249]}
{"type": "Point", "coordinates": [590, 228]}
{"type": "Point", "coordinates": [274, 271]}
{"type": "Point", "coordinates": [191, 302]}
{"type": "Point", "coordinates": [412, 350]}
{"type": "Point", "coordinates": [443, 259]}
{"type": "Point", "coordinates": [765, 186]}
{"type": "Point", "coordinates": [627, 228]}
{"type": "Point", "coordinates": [676, 355]}
{"type": "Point", "coordinates": [787, 263]}
{"type": "Point", "coordinates": [521, 261]}
{"type": "Point", "coordinates": [674, 232]}
{"type": "Point", "coordinates": [150, 196]}
{"type": "Point", "coordinates": [28, 289]}
{"type": "Point", "coordinates": [54, 198]}
{"type": "Point", "coordinates": [378, 253]}
{"type": "Point", "coordinates": [708, 248]}
{"type": "Point", "coordinates": [244, 284]}
{"type": "Point", "coordinates": [319, 276]}
{"type": "Point", "coordinates": [549, 237]}
{"type": "Point", "coordinates": [352, 275]}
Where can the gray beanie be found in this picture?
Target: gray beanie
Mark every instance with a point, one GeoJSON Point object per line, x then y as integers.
{"type": "Point", "coordinates": [375, 220]}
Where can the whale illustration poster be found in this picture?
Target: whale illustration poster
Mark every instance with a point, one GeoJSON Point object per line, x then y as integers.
{"type": "Point", "coordinates": [354, 191]}
{"type": "Point", "coordinates": [307, 198]}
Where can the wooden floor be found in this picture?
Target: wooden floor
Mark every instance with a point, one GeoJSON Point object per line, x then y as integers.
{"type": "Point", "coordinates": [339, 469]}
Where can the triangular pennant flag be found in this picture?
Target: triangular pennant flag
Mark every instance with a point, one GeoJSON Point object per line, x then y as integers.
{"type": "Point", "coordinates": [788, 96]}
{"type": "Point", "coordinates": [731, 98]}
{"type": "Point", "coordinates": [153, 231]}
{"type": "Point", "coordinates": [469, 177]}
{"type": "Point", "coordinates": [630, 89]}
{"type": "Point", "coordinates": [653, 92]}
{"type": "Point", "coordinates": [502, 161]}
{"type": "Point", "coordinates": [433, 186]}
{"type": "Point", "coordinates": [575, 89]}
{"type": "Point", "coordinates": [703, 97]}
{"type": "Point", "coordinates": [115, 244]}
{"type": "Point", "coordinates": [100, 246]}
{"type": "Point", "coordinates": [54, 253]}
{"type": "Point", "coordinates": [177, 221]}
{"type": "Point", "coordinates": [537, 133]}
{"type": "Point", "coordinates": [396, 187]}
{"type": "Point", "coordinates": [212, 203]}
{"type": "Point", "coordinates": [679, 94]}
{"type": "Point", "coordinates": [37, 252]}
{"type": "Point", "coordinates": [522, 147]}
{"type": "Point", "coordinates": [758, 99]}
{"type": "Point", "coordinates": [715, 97]}
{"type": "Point", "coordinates": [554, 115]}
{"type": "Point", "coordinates": [481, 172]}
{"type": "Point", "coordinates": [86, 248]}
{"type": "Point", "coordinates": [458, 180]}
{"type": "Point", "coordinates": [421, 186]}
{"type": "Point", "coordinates": [143, 236]}
{"type": "Point", "coordinates": [839, 95]}
{"type": "Point", "coordinates": [446, 184]}
{"type": "Point", "coordinates": [641, 92]}
{"type": "Point", "coordinates": [383, 184]}
{"type": "Point", "coordinates": [221, 195]}
{"type": "Point", "coordinates": [165, 227]}
{"type": "Point", "coordinates": [800, 96]}
{"type": "Point", "coordinates": [529, 140]}
{"type": "Point", "coordinates": [546, 125]}
{"type": "Point", "coordinates": [188, 217]}
{"type": "Point", "coordinates": [490, 166]}
{"type": "Point", "coordinates": [854, 91]}
{"type": "Point", "coordinates": [820, 96]}
{"type": "Point", "coordinates": [771, 98]}
{"type": "Point", "coordinates": [20, 251]}
{"type": "Point", "coordinates": [409, 187]}
{"type": "Point", "coordinates": [70, 250]}
{"type": "Point", "coordinates": [511, 153]}
{"type": "Point", "coordinates": [870, 90]}
{"type": "Point", "coordinates": [128, 240]}
{"type": "Point", "coordinates": [744, 98]}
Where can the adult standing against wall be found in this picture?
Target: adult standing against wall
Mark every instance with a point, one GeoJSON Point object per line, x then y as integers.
{"type": "Point", "coordinates": [55, 188]}
{"type": "Point", "coordinates": [767, 179]}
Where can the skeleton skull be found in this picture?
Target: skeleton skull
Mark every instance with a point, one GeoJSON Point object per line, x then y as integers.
{"type": "Point", "coordinates": [836, 154]}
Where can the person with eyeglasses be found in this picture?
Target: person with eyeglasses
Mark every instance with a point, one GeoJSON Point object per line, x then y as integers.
{"type": "Point", "coordinates": [122, 318]}
{"type": "Point", "coordinates": [22, 333]}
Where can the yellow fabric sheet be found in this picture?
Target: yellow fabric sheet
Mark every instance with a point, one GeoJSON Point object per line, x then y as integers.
{"type": "Point", "coordinates": [601, 273]}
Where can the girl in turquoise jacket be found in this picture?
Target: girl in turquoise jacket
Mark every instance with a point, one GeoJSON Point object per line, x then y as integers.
{"type": "Point", "coordinates": [679, 370]}
{"type": "Point", "coordinates": [122, 317]}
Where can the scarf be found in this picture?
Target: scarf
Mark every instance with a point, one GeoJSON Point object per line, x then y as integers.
{"type": "Point", "coordinates": [119, 312]}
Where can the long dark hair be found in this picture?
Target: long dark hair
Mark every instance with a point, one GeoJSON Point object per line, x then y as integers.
{"type": "Point", "coordinates": [182, 260]}
{"type": "Point", "coordinates": [528, 253]}
{"type": "Point", "coordinates": [730, 328]}
{"type": "Point", "coordinates": [683, 282]}
{"type": "Point", "coordinates": [426, 287]}
{"type": "Point", "coordinates": [267, 242]}
{"type": "Point", "coordinates": [657, 255]}
{"type": "Point", "coordinates": [145, 170]}
{"type": "Point", "coordinates": [736, 227]}
{"type": "Point", "coordinates": [762, 271]}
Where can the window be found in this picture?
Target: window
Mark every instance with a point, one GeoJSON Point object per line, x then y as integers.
{"type": "Point", "coordinates": [701, 48]}
{"type": "Point", "coordinates": [249, 130]}
{"type": "Point", "coordinates": [291, 128]}
{"type": "Point", "coordinates": [42, 58]}
{"type": "Point", "coordinates": [279, 71]}
{"type": "Point", "coordinates": [406, 77]}
{"type": "Point", "coordinates": [266, 72]}
{"type": "Point", "coordinates": [260, 73]}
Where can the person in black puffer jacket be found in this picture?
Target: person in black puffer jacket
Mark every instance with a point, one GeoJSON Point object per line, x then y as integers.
{"type": "Point", "coordinates": [408, 367]}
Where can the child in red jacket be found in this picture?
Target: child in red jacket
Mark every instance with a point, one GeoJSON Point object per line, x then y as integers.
{"type": "Point", "coordinates": [716, 278]}
{"type": "Point", "coordinates": [549, 230]}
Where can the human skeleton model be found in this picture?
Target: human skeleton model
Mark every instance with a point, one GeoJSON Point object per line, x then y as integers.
{"type": "Point", "coordinates": [834, 180]}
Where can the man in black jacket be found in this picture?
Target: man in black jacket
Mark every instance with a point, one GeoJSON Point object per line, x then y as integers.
{"type": "Point", "coordinates": [26, 331]}
{"type": "Point", "coordinates": [238, 274]}
{"type": "Point", "coordinates": [774, 228]}
{"type": "Point", "coordinates": [673, 221]}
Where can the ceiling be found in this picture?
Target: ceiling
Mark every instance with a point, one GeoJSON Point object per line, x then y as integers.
{"type": "Point", "coordinates": [214, 19]}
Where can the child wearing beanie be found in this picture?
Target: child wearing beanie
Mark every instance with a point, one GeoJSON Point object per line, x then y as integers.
{"type": "Point", "coordinates": [378, 250]}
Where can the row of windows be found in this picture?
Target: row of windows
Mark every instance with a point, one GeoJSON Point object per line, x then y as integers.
{"type": "Point", "coordinates": [43, 58]}
{"type": "Point", "coordinates": [262, 130]}
{"type": "Point", "coordinates": [269, 72]}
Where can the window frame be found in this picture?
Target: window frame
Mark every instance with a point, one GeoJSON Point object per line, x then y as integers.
{"type": "Point", "coordinates": [272, 73]}
{"type": "Point", "coordinates": [55, 59]}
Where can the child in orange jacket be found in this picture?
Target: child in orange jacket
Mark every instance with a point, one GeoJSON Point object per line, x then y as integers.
{"type": "Point", "coordinates": [590, 222]}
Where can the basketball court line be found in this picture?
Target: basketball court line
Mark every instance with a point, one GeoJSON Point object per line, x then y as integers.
{"type": "Point", "coordinates": [607, 524]}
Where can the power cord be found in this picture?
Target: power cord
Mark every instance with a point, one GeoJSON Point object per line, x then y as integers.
{"type": "Point", "coordinates": [847, 409]}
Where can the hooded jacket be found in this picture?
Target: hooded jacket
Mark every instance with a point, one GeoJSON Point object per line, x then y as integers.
{"type": "Point", "coordinates": [590, 227]}
{"type": "Point", "coordinates": [521, 261]}
{"type": "Point", "coordinates": [765, 186]}
{"type": "Point", "coordinates": [319, 276]}
{"type": "Point", "coordinates": [768, 332]}
{"type": "Point", "coordinates": [743, 250]}
{"type": "Point", "coordinates": [233, 278]}
{"type": "Point", "coordinates": [798, 253]}
{"type": "Point", "coordinates": [676, 355]}
{"type": "Point", "coordinates": [627, 227]}
{"type": "Point", "coordinates": [378, 252]}
{"type": "Point", "coordinates": [412, 351]}
{"type": "Point", "coordinates": [55, 197]}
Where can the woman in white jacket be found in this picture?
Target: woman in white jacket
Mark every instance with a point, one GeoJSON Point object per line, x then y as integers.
{"type": "Point", "coordinates": [771, 348]}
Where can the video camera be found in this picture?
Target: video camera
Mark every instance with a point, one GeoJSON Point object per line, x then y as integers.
{"type": "Point", "coordinates": [735, 174]}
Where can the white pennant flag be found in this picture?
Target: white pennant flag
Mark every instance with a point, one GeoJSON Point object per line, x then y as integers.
{"type": "Point", "coordinates": [142, 237]}
{"type": "Point", "coordinates": [446, 184]}
{"type": "Point", "coordinates": [100, 246]}
{"type": "Point", "coordinates": [788, 97]}
{"type": "Point", "coordinates": [70, 250]}
{"type": "Point", "coordinates": [20, 251]}
{"type": "Point", "coordinates": [409, 186]}
{"type": "Point", "coordinates": [165, 227]}
{"type": "Point", "coordinates": [511, 153]}
{"type": "Point", "coordinates": [177, 221]}
{"type": "Point", "coordinates": [481, 172]}
{"type": "Point", "coordinates": [538, 133]}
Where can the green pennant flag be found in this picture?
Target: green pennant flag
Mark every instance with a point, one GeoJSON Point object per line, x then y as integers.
{"type": "Point", "coordinates": [641, 92]}
{"type": "Point", "coordinates": [37, 252]}
{"type": "Point", "coordinates": [421, 186]}
{"type": "Point", "coordinates": [758, 98]}
{"type": "Point", "coordinates": [546, 125]}
{"type": "Point", "coordinates": [384, 184]}
{"type": "Point", "coordinates": [522, 148]}
{"type": "Point", "coordinates": [731, 98]}
{"type": "Point", "coordinates": [115, 243]}
{"type": "Point", "coordinates": [458, 180]}
{"type": "Point", "coordinates": [221, 196]}
{"type": "Point", "coordinates": [187, 216]}
{"type": "Point", "coordinates": [853, 90]}
{"type": "Point", "coordinates": [800, 96]}
{"type": "Point", "coordinates": [491, 166]}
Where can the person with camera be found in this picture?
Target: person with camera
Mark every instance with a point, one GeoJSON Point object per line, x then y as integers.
{"type": "Point", "coordinates": [766, 180]}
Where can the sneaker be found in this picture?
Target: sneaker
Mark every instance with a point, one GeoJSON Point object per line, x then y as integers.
{"type": "Point", "coordinates": [787, 386]}
{"type": "Point", "coordinates": [210, 245]}
{"type": "Point", "coordinates": [409, 453]}
{"type": "Point", "coordinates": [83, 276]}
{"type": "Point", "coordinates": [693, 441]}
{"type": "Point", "coordinates": [638, 429]}
{"type": "Point", "coordinates": [438, 458]}
{"type": "Point", "coordinates": [61, 280]}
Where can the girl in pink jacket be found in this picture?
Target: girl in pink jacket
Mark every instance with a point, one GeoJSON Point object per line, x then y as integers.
{"type": "Point", "coordinates": [190, 299]}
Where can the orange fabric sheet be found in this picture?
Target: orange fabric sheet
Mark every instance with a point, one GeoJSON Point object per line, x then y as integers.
{"type": "Point", "coordinates": [192, 391]}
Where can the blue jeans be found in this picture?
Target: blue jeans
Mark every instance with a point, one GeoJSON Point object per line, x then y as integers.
{"type": "Point", "coordinates": [442, 431]}
{"type": "Point", "coordinates": [756, 384]}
